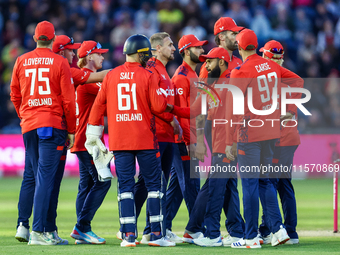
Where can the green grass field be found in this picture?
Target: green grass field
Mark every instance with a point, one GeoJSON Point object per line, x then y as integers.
{"type": "Point", "coordinates": [315, 224]}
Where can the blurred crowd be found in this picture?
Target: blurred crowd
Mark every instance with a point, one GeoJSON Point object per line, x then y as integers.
{"type": "Point", "coordinates": [308, 29]}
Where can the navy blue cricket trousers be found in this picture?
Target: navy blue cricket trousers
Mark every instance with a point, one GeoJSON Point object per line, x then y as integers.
{"type": "Point", "coordinates": [184, 183]}
{"type": "Point", "coordinates": [250, 157]}
{"type": "Point", "coordinates": [150, 168]}
{"type": "Point", "coordinates": [44, 156]}
{"type": "Point", "coordinates": [231, 205]}
{"type": "Point", "coordinates": [283, 155]}
{"type": "Point", "coordinates": [91, 191]}
{"type": "Point", "coordinates": [218, 183]}
{"type": "Point", "coordinates": [25, 204]}
{"type": "Point", "coordinates": [140, 192]}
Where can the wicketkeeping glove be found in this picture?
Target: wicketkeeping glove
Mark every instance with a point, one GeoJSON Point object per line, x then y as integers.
{"type": "Point", "coordinates": [102, 163]}
{"type": "Point", "coordinates": [93, 135]}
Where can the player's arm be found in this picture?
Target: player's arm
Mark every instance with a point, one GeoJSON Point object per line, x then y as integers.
{"type": "Point", "coordinates": [183, 85]}
{"type": "Point", "coordinates": [237, 78]}
{"type": "Point", "coordinates": [16, 97]}
{"type": "Point", "coordinates": [94, 128]}
{"type": "Point", "coordinates": [68, 100]}
{"type": "Point", "coordinates": [158, 102]}
{"type": "Point", "coordinates": [179, 111]}
{"type": "Point", "coordinates": [97, 77]}
{"type": "Point", "coordinates": [295, 81]}
{"type": "Point", "coordinates": [177, 128]}
{"type": "Point", "coordinates": [99, 105]}
{"type": "Point", "coordinates": [93, 88]}
{"type": "Point", "coordinates": [230, 131]}
{"type": "Point", "coordinates": [165, 116]}
{"type": "Point", "coordinates": [187, 112]}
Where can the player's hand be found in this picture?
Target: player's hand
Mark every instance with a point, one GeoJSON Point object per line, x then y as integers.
{"type": "Point", "coordinates": [169, 108]}
{"type": "Point", "coordinates": [201, 151]}
{"type": "Point", "coordinates": [234, 149]}
{"type": "Point", "coordinates": [287, 116]}
{"type": "Point", "coordinates": [191, 150]}
{"type": "Point", "coordinates": [228, 153]}
{"type": "Point", "coordinates": [177, 128]}
{"type": "Point", "coordinates": [70, 141]}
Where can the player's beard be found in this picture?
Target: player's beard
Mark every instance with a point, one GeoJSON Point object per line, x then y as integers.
{"type": "Point", "coordinates": [171, 57]}
{"type": "Point", "coordinates": [231, 45]}
{"type": "Point", "coordinates": [214, 74]}
{"type": "Point", "coordinates": [194, 58]}
{"type": "Point", "coordinates": [144, 58]}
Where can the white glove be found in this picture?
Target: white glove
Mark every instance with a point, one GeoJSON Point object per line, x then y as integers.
{"type": "Point", "coordinates": [93, 135]}
{"type": "Point", "coordinates": [101, 161]}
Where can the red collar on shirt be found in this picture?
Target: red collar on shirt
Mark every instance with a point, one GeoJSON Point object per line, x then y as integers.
{"type": "Point", "coordinates": [186, 65]}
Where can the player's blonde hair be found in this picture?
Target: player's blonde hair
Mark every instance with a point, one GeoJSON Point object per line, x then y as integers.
{"type": "Point", "coordinates": [157, 39]}
{"type": "Point", "coordinates": [276, 58]}
{"type": "Point", "coordinates": [82, 62]}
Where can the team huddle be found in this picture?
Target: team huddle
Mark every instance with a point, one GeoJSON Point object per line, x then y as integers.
{"type": "Point", "coordinates": [158, 121]}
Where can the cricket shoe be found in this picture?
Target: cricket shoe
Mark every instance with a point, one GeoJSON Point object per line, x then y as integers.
{"type": "Point", "coordinates": [247, 243]}
{"type": "Point", "coordinates": [119, 236]}
{"type": "Point", "coordinates": [227, 241]}
{"type": "Point", "coordinates": [259, 236]}
{"type": "Point", "coordinates": [160, 241]}
{"type": "Point", "coordinates": [208, 242]}
{"type": "Point", "coordinates": [280, 237]}
{"type": "Point", "coordinates": [39, 238]}
{"type": "Point", "coordinates": [129, 240]}
{"type": "Point", "coordinates": [81, 242]}
{"type": "Point", "coordinates": [54, 236]}
{"type": "Point", "coordinates": [265, 239]}
{"type": "Point", "coordinates": [293, 241]}
{"type": "Point", "coordinates": [145, 239]}
{"type": "Point", "coordinates": [23, 233]}
{"type": "Point", "coordinates": [173, 237]}
{"type": "Point", "coordinates": [89, 237]}
{"type": "Point", "coordinates": [189, 237]}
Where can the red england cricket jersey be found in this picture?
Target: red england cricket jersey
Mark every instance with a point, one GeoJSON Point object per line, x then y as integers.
{"type": "Point", "coordinates": [186, 92]}
{"type": "Point", "coordinates": [42, 91]}
{"type": "Point", "coordinates": [164, 130]}
{"type": "Point", "coordinates": [218, 112]}
{"type": "Point", "coordinates": [234, 62]}
{"type": "Point", "coordinates": [85, 96]}
{"type": "Point", "coordinates": [129, 94]}
{"type": "Point", "coordinates": [290, 134]}
{"type": "Point", "coordinates": [261, 75]}
{"type": "Point", "coordinates": [79, 76]}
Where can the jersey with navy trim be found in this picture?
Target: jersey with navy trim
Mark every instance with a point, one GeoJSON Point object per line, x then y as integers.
{"type": "Point", "coordinates": [186, 93]}
{"type": "Point", "coordinates": [234, 62]}
{"type": "Point", "coordinates": [262, 75]}
{"type": "Point", "coordinates": [129, 94]}
{"type": "Point", "coordinates": [85, 97]}
{"type": "Point", "coordinates": [42, 91]}
{"type": "Point", "coordinates": [164, 130]}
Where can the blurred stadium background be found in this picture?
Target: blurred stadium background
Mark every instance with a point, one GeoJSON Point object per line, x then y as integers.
{"type": "Point", "coordinates": [308, 29]}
